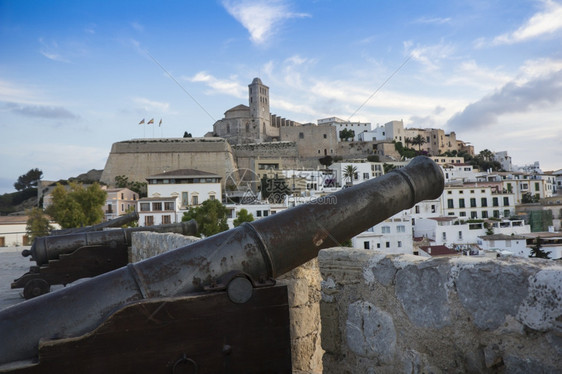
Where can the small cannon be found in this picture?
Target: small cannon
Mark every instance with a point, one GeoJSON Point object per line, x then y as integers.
{"type": "Point", "coordinates": [116, 222]}
{"type": "Point", "coordinates": [207, 307]}
{"type": "Point", "coordinates": [62, 259]}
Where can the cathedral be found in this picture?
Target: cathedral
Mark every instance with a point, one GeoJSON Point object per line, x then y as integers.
{"type": "Point", "coordinates": [254, 123]}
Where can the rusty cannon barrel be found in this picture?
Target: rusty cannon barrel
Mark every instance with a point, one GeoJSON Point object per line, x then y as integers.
{"type": "Point", "coordinates": [116, 222]}
{"type": "Point", "coordinates": [47, 248]}
{"type": "Point", "coordinates": [262, 249]}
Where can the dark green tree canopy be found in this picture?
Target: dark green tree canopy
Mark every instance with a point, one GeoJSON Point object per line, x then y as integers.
{"type": "Point", "coordinates": [77, 206]}
{"type": "Point", "coordinates": [243, 216]}
{"type": "Point", "coordinates": [536, 250]}
{"type": "Point", "coordinates": [28, 180]}
{"type": "Point", "coordinates": [211, 217]}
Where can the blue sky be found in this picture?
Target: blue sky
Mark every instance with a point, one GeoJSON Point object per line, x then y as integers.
{"type": "Point", "coordinates": [77, 76]}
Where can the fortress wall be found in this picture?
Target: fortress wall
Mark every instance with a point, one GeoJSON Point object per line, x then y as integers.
{"type": "Point", "coordinates": [248, 154]}
{"type": "Point", "coordinates": [406, 314]}
{"type": "Point", "coordinates": [138, 159]}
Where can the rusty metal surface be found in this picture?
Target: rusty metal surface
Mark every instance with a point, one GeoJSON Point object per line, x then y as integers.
{"type": "Point", "coordinates": [263, 249]}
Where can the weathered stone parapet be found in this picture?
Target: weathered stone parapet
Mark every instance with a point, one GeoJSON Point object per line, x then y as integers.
{"type": "Point", "coordinates": [146, 244]}
{"type": "Point", "coordinates": [303, 285]}
{"type": "Point", "coordinates": [402, 313]}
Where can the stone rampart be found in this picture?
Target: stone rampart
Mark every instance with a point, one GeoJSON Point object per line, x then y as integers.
{"type": "Point", "coordinates": [145, 244]}
{"type": "Point", "coordinates": [140, 158]}
{"type": "Point", "coordinates": [406, 314]}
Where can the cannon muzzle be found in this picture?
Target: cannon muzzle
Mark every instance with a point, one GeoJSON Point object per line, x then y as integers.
{"type": "Point", "coordinates": [263, 249]}
{"type": "Point", "coordinates": [116, 222]}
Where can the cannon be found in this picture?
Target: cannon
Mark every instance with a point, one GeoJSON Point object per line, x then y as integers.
{"type": "Point", "coordinates": [239, 264]}
{"type": "Point", "coordinates": [62, 259]}
{"type": "Point", "coordinates": [116, 222]}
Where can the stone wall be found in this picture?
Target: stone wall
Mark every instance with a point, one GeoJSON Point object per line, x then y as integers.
{"type": "Point", "coordinates": [140, 158]}
{"type": "Point", "coordinates": [402, 313]}
{"type": "Point", "coordinates": [303, 285]}
{"type": "Point", "coordinates": [145, 244]}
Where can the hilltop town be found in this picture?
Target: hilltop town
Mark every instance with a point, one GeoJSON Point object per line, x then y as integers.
{"type": "Point", "coordinates": [264, 163]}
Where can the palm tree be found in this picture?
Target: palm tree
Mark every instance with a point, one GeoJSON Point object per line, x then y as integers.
{"type": "Point", "coordinates": [349, 172]}
{"type": "Point", "coordinates": [419, 141]}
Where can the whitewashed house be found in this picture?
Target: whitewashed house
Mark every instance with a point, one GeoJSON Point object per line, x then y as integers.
{"type": "Point", "coordinates": [172, 193]}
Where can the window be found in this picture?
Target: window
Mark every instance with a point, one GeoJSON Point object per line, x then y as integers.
{"type": "Point", "coordinates": [195, 200]}
{"type": "Point", "coordinates": [385, 229]}
{"type": "Point", "coordinates": [484, 214]}
{"type": "Point", "coordinates": [461, 203]}
{"type": "Point", "coordinates": [506, 213]}
{"type": "Point", "coordinates": [156, 206]}
{"type": "Point", "coordinates": [460, 235]}
{"type": "Point", "coordinates": [145, 207]}
{"type": "Point", "coordinates": [258, 213]}
{"type": "Point", "coordinates": [301, 135]}
{"type": "Point", "coordinates": [122, 196]}
{"type": "Point", "coordinates": [417, 209]}
{"type": "Point", "coordinates": [122, 207]}
{"type": "Point", "coordinates": [399, 244]}
{"type": "Point", "coordinates": [473, 202]}
{"type": "Point", "coordinates": [401, 228]}
{"type": "Point", "coordinates": [109, 208]}
{"type": "Point", "coordinates": [484, 202]}
{"type": "Point", "coordinates": [366, 245]}
{"type": "Point", "coordinates": [496, 214]}
{"type": "Point", "coordinates": [325, 136]}
{"type": "Point", "coordinates": [211, 197]}
{"type": "Point", "coordinates": [462, 214]}
{"type": "Point", "coordinates": [433, 208]}
{"type": "Point", "coordinates": [473, 215]}
{"type": "Point", "coordinates": [184, 199]}
{"type": "Point", "coordinates": [166, 219]}
{"type": "Point", "coordinates": [365, 175]}
{"type": "Point", "coordinates": [265, 213]}
{"type": "Point", "coordinates": [444, 236]}
{"type": "Point", "coordinates": [450, 204]}
{"type": "Point", "coordinates": [495, 201]}
{"type": "Point", "coordinates": [378, 245]}
{"type": "Point", "coordinates": [387, 244]}
{"type": "Point", "coordinates": [169, 205]}
{"type": "Point", "coordinates": [148, 220]}
{"type": "Point", "coordinates": [537, 187]}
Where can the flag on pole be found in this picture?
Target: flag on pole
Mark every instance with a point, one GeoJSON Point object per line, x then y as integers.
{"type": "Point", "coordinates": [150, 122]}
{"type": "Point", "coordinates": [160, 123]}
{"type": "Point", "coordinates": [141, 122]}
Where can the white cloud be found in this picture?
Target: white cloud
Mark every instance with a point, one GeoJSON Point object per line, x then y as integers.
{"type": "Point", "coordinates": [223, 86]}
{"type": "Point", "coordinates": [260, 17]}
{"type": "Point", "coordinates": [149, 106]}
{"type": "Point", "coordinates": [431, 56]}
{"type": "Point", "coordinates": [52, 51]}
{"type": "Point", "coordinates": [433, 20]}
{"type": "Point", "coordinates": [547, 21]}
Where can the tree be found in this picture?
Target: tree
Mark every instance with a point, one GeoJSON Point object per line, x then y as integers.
{"type": "Point", "coordinates": [528, 198]}
{"type": "Point", "coordinates": [243, 216]}
{"type": "Point", "coordinates": [28, 180]}
{"type": "Point", "coordinates": [419, 141]}
{"type": "Point", "coordinates": [211, 217]}
{"type": "Point", "coordinates": [349, 173]}
{"type": "Point", "coordinates": [536, 250]}
{"type": "Point", "coordinates": [37, 223]}
{"type": "Point", "coordinates": [326, 160]}
{"type": "Point", "coordinates": [346, 134]}
{"type": "Point", "coordinates": [122, 181]}
{"type": "Point", "coordinates": [78, 206]}
{"type": "Point", "coordinates": [388, 167]}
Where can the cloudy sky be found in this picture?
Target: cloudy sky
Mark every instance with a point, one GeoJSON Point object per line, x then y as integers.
{"type": "Point", "coordinates": [77, 76]}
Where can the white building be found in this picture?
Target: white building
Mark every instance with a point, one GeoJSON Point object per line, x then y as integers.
{"type": "Point", "coordinates": [477, 201]}
{"type": "Point", "coordinates": [340, 124]}
{"type": "Point", "coordinates": [451, 231]}
{"type": "Point", "coordinates": [393, 130]}
{"type": "Point", "coordinates": [515, 245]}
{"type": "Point", "coordinates": [504, 159]}
{"type": "Point", "coordinates": [13, 231]}
{"type": "Point", "coordinates": [393, 235]}
{"type": "Point", "coordinates": [363, 172]}
{"type": "Point", "coordinates": [172, 193]}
